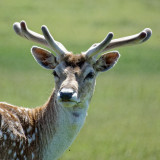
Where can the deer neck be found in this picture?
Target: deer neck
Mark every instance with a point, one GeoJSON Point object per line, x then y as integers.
{"type": "Point", "coordinates": [59, 126]}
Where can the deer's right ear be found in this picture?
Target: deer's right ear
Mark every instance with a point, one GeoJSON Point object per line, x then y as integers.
{"type": "Point", "coordinates": [45, 58]}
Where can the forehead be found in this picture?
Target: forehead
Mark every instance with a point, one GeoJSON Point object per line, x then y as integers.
{"type": "Point", "coordinates": [74, 63]}
{"type": "Point", "coordinates": [74, 60]}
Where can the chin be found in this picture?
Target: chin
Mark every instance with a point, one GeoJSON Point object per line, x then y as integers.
{"type": "Point", "coordinates": [68, 104]}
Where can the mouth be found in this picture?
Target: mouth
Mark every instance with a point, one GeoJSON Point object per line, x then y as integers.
{"type": "Point", "coordinates": [66, 100]}
{"type": "Point", "coordinates": [68, 103]}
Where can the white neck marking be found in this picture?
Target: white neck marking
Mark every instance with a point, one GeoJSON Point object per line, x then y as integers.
{"type": "Point", "coordinates": [69, 122]}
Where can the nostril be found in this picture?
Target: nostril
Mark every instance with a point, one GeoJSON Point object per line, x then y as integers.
{"type": "Point", "coordinates": [65, 95]}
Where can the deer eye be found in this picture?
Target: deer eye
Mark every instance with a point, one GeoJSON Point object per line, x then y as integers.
{"type": "Point", "coordinates": [55, 74]}
{"type": "Point", "coordinates": [90, 75]}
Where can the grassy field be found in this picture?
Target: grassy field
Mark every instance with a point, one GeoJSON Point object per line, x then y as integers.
{"type": "Point", "coordinates": [123, 122]}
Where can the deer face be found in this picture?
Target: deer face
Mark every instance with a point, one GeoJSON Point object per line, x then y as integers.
{"type": "Point", "coordinates": [75, 80]}
{"type": "Point", "coordinates": [74, 75]}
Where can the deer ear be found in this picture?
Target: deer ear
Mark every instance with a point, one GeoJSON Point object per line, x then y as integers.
{"type": "Point", "coordinates": [45, 58]}
{"type": "Point", "coordinates": [107, 61]}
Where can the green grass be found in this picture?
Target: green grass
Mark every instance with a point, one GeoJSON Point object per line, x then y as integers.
{"type": "Point", "coordinates": [124, 116]}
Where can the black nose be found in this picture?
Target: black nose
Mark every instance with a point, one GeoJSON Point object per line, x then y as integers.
{"type": "Point", "coordinates": [65, 96]}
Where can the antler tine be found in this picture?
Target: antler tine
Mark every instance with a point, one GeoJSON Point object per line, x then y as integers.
{"type": "Point", "coordinates": [22, 30]}
{"type": "Point", "coordinates": [130, 40]}
{"type": "Point", "coordinates": [53, 44]}
{"type": "Point", "coordinates": [149, 33]}
{"type": "Point", "coordinates": [95, 49]}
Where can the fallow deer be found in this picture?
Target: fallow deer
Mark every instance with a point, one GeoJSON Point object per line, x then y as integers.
{"type": "Point", "coordinates": [45, 132]}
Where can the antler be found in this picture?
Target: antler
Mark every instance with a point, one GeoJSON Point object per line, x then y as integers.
{"type": "Point", "coordinates": [95, 49]}
{"type": "Point", "coordinates": [130, 40]}
{"type": "Point", "coordinates": [45, 39]}
{"type": "Point", "coordinates": [53, 44]}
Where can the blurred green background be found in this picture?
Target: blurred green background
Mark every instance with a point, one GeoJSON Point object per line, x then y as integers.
{"type": "Point", "coordinates": [124, 115]}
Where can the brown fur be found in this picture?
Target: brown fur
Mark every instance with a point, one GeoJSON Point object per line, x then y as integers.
{"type": "Point", "coordinates": [74, 60]}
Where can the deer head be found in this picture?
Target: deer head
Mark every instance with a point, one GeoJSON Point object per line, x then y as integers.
{"type": "Point", "coordinates": [75, 74]}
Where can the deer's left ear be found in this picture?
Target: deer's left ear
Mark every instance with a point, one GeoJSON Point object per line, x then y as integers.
{"type": "Point", "coordinates": [106, 61]}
